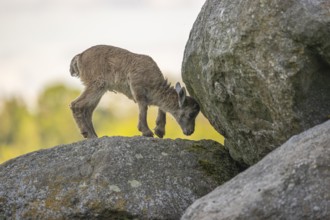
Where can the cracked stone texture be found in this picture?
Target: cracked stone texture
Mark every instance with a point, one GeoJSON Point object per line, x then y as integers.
{"type": "Point", "coordinates": [113, 178]}
{"type": "Point", "coordinates": [260, 70]}
{"type": "Point", "coordinates": [292, 182]}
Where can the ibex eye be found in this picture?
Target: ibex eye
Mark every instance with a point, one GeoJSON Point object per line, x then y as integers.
{"type": "Point", "coordinates": [191, 115]}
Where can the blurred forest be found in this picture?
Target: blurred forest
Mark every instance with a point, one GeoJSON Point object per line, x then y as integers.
{"type": "Point", "coordinates": [50, 122]}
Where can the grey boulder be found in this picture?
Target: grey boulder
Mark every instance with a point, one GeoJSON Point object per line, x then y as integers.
{"type": "Point", "coordinates": [260, 70]}
{"type": "Point", "coordinates": [113, 178]}
{"type": "Point", "coordinates": [292, 182]}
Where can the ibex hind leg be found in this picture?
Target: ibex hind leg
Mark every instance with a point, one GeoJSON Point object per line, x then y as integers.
{"type": "Point", "coordinates": [81, 116]}
{"type": "Point", "coordinates": [160, 123]}
{"type": "Point", "coordinates": [83, 107]}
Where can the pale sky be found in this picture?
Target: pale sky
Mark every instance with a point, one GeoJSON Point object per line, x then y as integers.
{"type": "Point", "coordinates": [38, 38]}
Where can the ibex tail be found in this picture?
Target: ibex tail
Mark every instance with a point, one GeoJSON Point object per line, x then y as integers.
{"type": "Point", "coordinates": [74, 70]}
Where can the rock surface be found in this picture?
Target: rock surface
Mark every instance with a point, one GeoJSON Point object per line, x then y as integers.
{"type": "Point", "coordinates": [113, 178]}
{"type": "Point", "coordinates": [260, 70]}
{"type": "Point", "coordinates": [292, 182]}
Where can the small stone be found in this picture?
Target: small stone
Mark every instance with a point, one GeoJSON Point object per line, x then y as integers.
{"type": "Point", "coordinates": [138, 156]}
{"type": "Point", "coordinates": [134, 183]}
{"type": "Point", "coordinates": [114, 188]}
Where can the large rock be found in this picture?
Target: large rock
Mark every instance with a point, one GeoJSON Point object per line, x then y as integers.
{"type": "Point", "coordinates": [292, 182]}
{"type": "Point", "coordinates": [113, 178]}
{"type": "Point", "coordinates": [260, 70]}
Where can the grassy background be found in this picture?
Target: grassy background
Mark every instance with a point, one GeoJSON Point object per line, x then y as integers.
{"type": "Point", "coordinates": [24, 129]}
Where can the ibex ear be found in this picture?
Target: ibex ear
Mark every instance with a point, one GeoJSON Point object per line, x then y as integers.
{"type": "Point", "coordinates": [181, 94]}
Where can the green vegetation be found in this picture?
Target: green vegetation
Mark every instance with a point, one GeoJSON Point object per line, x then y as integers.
{"type": "Point", "coordinates": [51, 123]}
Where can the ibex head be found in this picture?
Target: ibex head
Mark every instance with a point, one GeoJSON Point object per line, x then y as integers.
{"type": "Point", "coordinates": [187, 112]}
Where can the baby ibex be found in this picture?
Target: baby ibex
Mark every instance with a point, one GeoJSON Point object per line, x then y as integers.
{"type": "Point", "coordinates": [106, 68]}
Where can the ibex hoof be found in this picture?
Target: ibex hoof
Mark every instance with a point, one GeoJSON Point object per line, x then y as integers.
{"type": "Point", "coordinates": [84, 134]}
{"type": "Point", "coordinates": [159, 132]}
{"type": "Point", "coordinates": [148, 134]}
{"type": "Point", "coordinates": [87, 135]}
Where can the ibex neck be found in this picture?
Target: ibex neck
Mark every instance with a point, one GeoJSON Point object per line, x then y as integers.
{"type": "Point", "coordinates": [167, 99]}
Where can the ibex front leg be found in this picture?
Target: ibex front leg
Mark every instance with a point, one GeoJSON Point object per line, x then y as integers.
{"type": "Point", "coordinates": [82, 110]}
{"type": "Point", "coordinates": [160, 123]}
{"type": "Point", "coordinates": [143, 125]}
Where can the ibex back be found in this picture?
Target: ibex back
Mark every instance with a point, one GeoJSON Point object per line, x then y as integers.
{"type": "Point", "coordinates": [106, 68]}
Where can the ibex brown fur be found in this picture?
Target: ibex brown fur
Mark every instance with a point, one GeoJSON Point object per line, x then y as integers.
{"type": "Point", "coordinates": [106, 68]}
